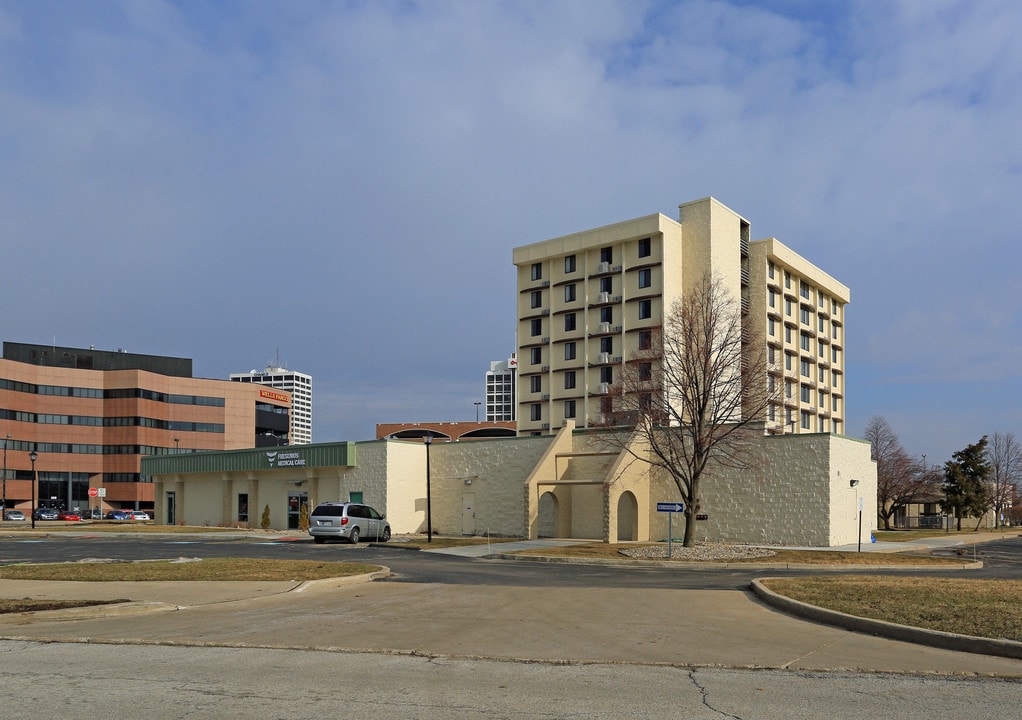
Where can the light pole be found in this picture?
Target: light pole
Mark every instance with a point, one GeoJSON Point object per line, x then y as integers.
{"type": "Point", "coordinates": [855, 484]}
{"type": "Point", "coordinates": [477, 410]}
{"type": "Point", "coordinates": [428, 439]}
{"type": "Point", "coordinates": [4, 510]}
{"type": "Point", "coordinates": [33, 456]}
{"type": "Point", "coordinates": [177, 445]}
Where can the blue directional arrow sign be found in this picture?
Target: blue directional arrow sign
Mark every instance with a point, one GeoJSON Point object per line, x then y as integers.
{"type": "Point", "coordinates": [670, 507]}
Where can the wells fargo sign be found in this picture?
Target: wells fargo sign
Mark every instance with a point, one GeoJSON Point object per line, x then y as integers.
{"type": "Point", "coordinates": [273, 395]}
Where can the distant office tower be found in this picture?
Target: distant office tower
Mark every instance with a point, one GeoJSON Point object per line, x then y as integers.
{"type": "Point", "coordinates": [501, 390]}
{"type": "Point", "coordinates": [588, 302]}
{"type": "Point", "coordinates": [299, 385]}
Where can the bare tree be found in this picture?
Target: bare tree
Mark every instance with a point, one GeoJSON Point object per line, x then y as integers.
{"type": "Point", "coordinates": [696, 394]}
{"type": "Point", "coordinates": [1004, 454]}
{"type": "Point", "coordinates": [900, 480]}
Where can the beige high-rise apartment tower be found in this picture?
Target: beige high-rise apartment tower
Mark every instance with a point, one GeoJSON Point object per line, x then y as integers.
{"type": "Point", "coordinates": [589, 301]}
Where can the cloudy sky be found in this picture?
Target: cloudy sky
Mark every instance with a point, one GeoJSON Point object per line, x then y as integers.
{"type": "Point", "coordinates": [340, 184]}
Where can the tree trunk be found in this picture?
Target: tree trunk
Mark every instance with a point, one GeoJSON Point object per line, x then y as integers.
{"type": "Point", "coordinates": [690, 527]}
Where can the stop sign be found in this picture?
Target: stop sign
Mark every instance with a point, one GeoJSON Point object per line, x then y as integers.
{"type": "Point", "coordinates": [93, 492]}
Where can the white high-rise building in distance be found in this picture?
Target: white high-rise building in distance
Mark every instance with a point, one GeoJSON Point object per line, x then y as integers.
{"type": "Point", "coordinates": [502, 390]}
{"type": "Point", "coordinates": [299, 385]}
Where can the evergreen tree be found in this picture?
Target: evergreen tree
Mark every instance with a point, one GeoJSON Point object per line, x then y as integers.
{"type": "Point", "coordinates": [965, 482]}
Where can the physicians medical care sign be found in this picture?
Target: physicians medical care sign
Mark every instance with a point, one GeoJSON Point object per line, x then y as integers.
{"type": "Point", "coordinates": [285, 459]}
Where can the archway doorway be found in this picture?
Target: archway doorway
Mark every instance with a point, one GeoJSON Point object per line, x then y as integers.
{"type": "Point", "coordinates": [548, 512]}
{"type": "Point", "coordinates": [627, 517]}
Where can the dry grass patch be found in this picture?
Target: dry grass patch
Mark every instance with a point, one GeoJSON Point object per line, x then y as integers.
{"type": "Point", "coordinates": [983, 608]}
{"type": "Point", "coordinates": [792, 557]}
{"type": "Point", "coordinates": [232, 569]}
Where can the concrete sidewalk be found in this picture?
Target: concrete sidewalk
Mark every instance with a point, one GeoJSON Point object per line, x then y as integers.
{"type": "Point", "coordinates": [612, 625]}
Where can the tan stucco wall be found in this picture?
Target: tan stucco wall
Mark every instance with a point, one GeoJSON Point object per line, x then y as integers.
{"type": "Point", "coordinates": [796, 492]}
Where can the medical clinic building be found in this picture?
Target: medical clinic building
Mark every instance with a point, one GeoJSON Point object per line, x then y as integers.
{"type": "Point", "coordinates": [798, 490]}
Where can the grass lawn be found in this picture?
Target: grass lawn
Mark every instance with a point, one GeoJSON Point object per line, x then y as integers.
{"type": "Point", "coordinates": [167, 570]}
{"type": "Point", "coordinates": [984, 608]}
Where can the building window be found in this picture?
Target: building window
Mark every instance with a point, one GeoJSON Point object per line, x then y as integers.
{"type": "Point", "coordinates": [606, 344]}
{"type": "Point", "coordinates": [537, 327]}
{"type": "Point", "coordinates": [606, 374]}
{"type": "Point", "coordinates": [805, 394]}
{"type": "Point", "coordinates": [787, 307]}
{"type": "Point", "coordinates": [606, 284]}
{"type": "Point", "coordinates": [645, 278]}
{"type": "Point", "coordinates": [569, 264]}
{"type": "Point", "coordinates": [645, 247]}
{"type": "Point", "coordinates": [803, 290]}
{"type": "Point", "coordinates": [569, 380]}
{"type": "Point", "coordinates": [645, 372]}
{"type": "Point", "coordinates": [536, 383]}
{"type": "Point", "coordinates": [606, 255]}
{"type": "Point", "coordinates": [787, 279]}
{"type": "Point", "coordinates": [536, 356]}
{"type": "Point", "coordinates": [787, 361]}
{"type": "Point", "coordinates": [771, 327]}
{"type": "Point", "coordinates": [569, 322]}
{"type": "Point", "coordinates": [770, 269]}
{"type": "Point", "coordinates": [537, 298]}
{"type": "Point", "coordinates": [806, 420]}
{"type": "Point", "coordinates": [823, 375]}
{"type": "Point", "coordinates": [804, 368]}
{"type": "Point", "coordinates": [645, 309]}
{"type": "Point", "coordinates": [835, 355]}
{"type": "Point", "coordinates": [606, 314]}
{"type": "Point", "coordinates": [242, 507]}
{"type": "Point", "coordinates": [569, 292]}
{"type": "Point", "coordinates": [771, 355]}
{"type": "Point", "coordinates": [536, 412]}
{"type": "Point", "coordinates": [772, 298]}
{"type": "Point", "coordinates": [645, 339]}
{"type": "Point", "coordinates": [822, 398]}
{"type": "Point", "coordinates": [569, 351]}
{"type": "Point", "coordinates": [804, 342]}
{"type": "Point", "coordinates": [804, 315]}
{"type": "Point", "coordinates": [787, 389]}
{"type": "Point", "coordinates": [569, 408]}
{"type": "Point", "coordinates": [537, 271]}
{"type": "Point", "coordinates": [787, 334]}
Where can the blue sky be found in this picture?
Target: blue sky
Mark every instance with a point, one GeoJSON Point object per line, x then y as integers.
{"type": "Point", "coordinates": [342, 182]}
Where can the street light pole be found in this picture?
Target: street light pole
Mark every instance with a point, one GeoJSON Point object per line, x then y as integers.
{"type": "Point", "coordinates": [855, 484]}
{"type": "Point", "coordinates": [429, 501]}
{"type": "Point", "coordinates": [4, 510]}
{"type": "Point", "coordinates": [477, 404]}
{"type": "Point", "coordinates": [33, 456]}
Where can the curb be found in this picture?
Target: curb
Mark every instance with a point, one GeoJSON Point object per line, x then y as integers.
{"type": "Point", "coordinates": [882, 628]}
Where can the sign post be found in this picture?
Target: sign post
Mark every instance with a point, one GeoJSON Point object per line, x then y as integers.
{"type": "Point", "coordinates": [670, 508]}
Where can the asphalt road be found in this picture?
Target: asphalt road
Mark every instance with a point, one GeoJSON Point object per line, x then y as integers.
{"type": "Point", "coordinates": [1001, 559]}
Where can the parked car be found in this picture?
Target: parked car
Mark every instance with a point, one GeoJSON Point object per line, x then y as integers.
{"type": "Point", "coordinates": [14, 515]}
{"type": "Point", "coordinates": [69, 515]}
{"type": "Point", "coordinates": [45, 514]}
{"type": "Point", "coordinates": [118, 515]}
{"type": "Point", "coordinates": [347, 521]}
{"type": "Point", "coordinates": [139, 515]}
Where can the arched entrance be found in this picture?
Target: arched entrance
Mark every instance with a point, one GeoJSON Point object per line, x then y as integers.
{"type": "Point", "coordinates": [627, 517]}
{"type": "Point", "coordinates": [548, 511]}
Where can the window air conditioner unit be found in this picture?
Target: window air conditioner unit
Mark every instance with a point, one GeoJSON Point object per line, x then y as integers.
{"type": "Point", "coordinates": [617, 268]}
{"type": "Point", "coordinates": [617, 328]}
{"type": "Point", "coordinates": [604, 297]}
{"type": "Point", "coordinates": [545, 340]}
{"type": "Point", "coordinates": [617, 298]}
{"type": "Point", "coordinates": [617, 359]}
{"type": "Point", "coordinates": [604, 267]}
{"type": "Point", "coordinates": [603, 358]}
{"type": "Point", "coordinates": [604, 327]}
{"type": "Point", "coordinates": [604, 388]}
{"type": "Point", "coordinates": [545, 426]}
{"type": "Point", "coordinates": [546, 311]}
